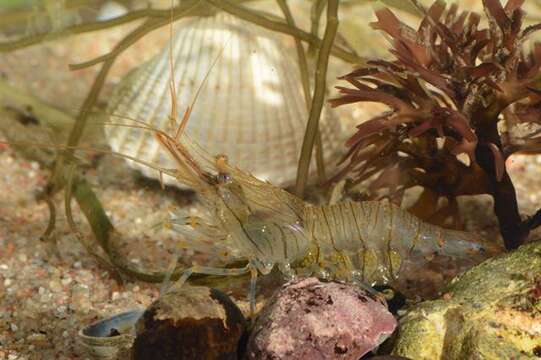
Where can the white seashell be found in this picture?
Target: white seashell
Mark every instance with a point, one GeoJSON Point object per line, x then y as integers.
{"type": "Point", "coordinates": [110, 10]}
{"type": "Point", "coordinates": [251, 107]}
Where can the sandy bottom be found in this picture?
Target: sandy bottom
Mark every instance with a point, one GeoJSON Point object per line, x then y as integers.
{"type": "Point", "coordinates": [47, 292]}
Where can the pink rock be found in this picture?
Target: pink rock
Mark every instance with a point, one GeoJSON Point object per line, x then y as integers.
{"type": "Point", "coordinates": [309, 319]}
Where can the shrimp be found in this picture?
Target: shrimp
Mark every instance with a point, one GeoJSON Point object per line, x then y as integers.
{"type": "Point", "coordinates": [372, 242]}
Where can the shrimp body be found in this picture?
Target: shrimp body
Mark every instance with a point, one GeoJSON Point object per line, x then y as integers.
{"type": "Point", "coordinates": [371, 242]}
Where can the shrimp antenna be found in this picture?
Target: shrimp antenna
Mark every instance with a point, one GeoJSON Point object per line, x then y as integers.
{"type": "Point", "coordinates": [172, 87]}
{"type": "Point", "coordinates": [92, 150]}
{"type": "Point", "coordinates": [188, 111]}
{"type": "Point", "coordinates": [179, 151]}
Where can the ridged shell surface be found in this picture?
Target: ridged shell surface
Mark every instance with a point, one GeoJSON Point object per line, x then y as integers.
{"type": "Point", "coordinates": [251, 105]}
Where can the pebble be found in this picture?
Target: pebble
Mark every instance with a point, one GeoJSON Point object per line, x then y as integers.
{"type": "Point", "coordinates": [36, 338]}
{"type": "Point", "coordinates": [309, 319]}
{"type": "Point", "coordinates": [191, 322]}
{"type": "Point", "coordinates": [61, 311]}
{"type": "Point", "coordinates": [80, 297]}
{"type": "Point", "coordinates": [55, 286]}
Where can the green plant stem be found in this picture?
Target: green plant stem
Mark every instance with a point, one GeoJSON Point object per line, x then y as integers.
{"type": "Point", "coordinates": [71, 223]}
{"type": "Point", "coordinates": [303, 63]}
{"type": "Point", "coordinates": [16, 15]}
{"type": "Point", "coordinates": [75, 29]}
{"type": "Point", "coordinates": [248, 15]}
{"type": "Point", "coordinates": [106, 24]}
{"type": "Point", "coordinates": [305, 78]}
{"type": "Point", "coordinates": [51, 224]}
{"type": "Point", "coordinates": [145, 28]}
{"type": "Point", "coordinates": [48, 115]}
{"type": "Point", "coordinates": [228, 6]}
{"type": "Point", "coordinates": [315, 17]}
{"type": "Point", "coordinates": [319, 96]}
{"type": "Point", "coordinates": [102, 229]}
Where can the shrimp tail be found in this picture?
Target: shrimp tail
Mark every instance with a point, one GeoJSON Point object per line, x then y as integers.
{"type": "Point", "coordinates": [431, 255]}
{"type": "Point", "coordinates": [460, 244]}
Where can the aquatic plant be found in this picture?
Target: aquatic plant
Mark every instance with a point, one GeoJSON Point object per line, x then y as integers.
{"type": "Point", "coordinates": [462, 99]}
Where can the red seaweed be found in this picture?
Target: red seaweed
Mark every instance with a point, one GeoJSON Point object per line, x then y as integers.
{"type": "Point", "coordinates": [449, 86]}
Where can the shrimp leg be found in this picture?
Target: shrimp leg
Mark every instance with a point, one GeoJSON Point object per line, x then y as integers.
{"type": "Point", "coordinates": [207, 270]}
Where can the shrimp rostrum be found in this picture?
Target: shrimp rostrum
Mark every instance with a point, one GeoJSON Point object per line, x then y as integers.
{"type": "Point", "coordinates": [372, 242]}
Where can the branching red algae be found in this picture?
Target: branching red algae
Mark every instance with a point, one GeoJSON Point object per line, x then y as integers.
{"type": "Point", "coordinates": [449, 87]}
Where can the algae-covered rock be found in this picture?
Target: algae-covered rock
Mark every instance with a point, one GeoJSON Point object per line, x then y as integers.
{"type": "Point", "coordinates": [493, 311]}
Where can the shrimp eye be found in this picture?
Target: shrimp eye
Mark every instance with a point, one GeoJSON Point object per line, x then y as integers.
{"type": "Point", "coordinates": [223, 178]}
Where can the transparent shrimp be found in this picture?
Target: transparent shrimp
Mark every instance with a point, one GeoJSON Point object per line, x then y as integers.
{"type": "Point", "coordinates": [368, 242]}
{"type": "Point", "coordinates": [267, 227]}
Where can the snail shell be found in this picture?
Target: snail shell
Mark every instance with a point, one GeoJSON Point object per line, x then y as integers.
{"type": "Point", "coordinates": [110, 338]}
{"type": "Point", "coordinates": [250, 107]}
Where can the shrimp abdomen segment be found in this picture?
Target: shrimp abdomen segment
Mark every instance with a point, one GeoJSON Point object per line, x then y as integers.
{"type": "Point", "coordinates": [380, 240]}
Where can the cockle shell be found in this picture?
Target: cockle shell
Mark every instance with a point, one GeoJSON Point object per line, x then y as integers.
{"type": "Point", "coordinates": [250, 107]}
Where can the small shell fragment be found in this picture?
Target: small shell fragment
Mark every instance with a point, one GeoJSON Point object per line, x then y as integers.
{"type": "Point", "coordinates": [111, 338]}
{"type": "Point", "coordinates": [250, 107]}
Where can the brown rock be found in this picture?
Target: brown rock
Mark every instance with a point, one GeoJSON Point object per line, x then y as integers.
{"type": "Point", "coordinates": [190, 323]}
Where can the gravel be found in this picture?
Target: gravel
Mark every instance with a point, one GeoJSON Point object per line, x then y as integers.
{"type": "Point", "coordinates": [47, 295]}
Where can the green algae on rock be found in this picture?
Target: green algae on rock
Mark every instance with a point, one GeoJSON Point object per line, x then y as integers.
{"type": "Point", "coordinates": [493, 311]}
